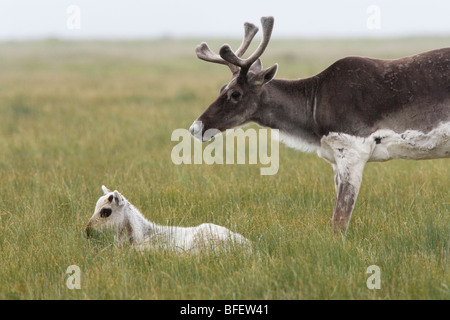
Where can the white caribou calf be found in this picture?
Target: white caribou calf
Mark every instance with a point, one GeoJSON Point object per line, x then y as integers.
{"type": "Point", "coordinates": [114, 212]}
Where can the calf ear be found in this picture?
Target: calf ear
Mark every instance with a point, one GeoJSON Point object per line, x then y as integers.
{"type": "Point", "coordinates": [118, 197]}
{"type": "Point", "coordinates": [105, 190]}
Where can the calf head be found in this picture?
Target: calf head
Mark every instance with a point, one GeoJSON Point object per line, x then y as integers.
{"type": "Point", "coordinates": [109, 211]}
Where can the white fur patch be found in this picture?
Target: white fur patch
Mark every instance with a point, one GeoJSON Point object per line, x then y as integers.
{"type": "Point", "coordinates": [412, 144]}
{"type": "Point", "coordinates": [385, 145]}
{"type": "Point", "coordinates": [347, 154]}
{"type": "Point", "coordinates": [206, 236]}
{"type": "Point", "coordinates": [296, 143]}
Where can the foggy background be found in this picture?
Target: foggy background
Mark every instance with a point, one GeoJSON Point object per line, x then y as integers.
{"type": "Point", "coordinates": [139, 19]}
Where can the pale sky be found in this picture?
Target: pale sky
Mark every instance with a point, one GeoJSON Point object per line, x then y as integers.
{"type": "Point", "coordinates": [146, 19]}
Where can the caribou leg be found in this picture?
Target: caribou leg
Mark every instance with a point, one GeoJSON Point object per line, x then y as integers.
{"type": "Point", "coordinates": [347, 183]}
{"type": "Point", "coordinates": [348, 156]}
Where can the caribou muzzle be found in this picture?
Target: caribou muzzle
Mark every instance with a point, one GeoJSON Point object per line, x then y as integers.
{"type": "Point", "coordinates": [196, 130]}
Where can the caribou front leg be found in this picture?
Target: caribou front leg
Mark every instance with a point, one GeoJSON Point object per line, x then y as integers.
{"type": "Point", "coordinates": [348, 155]}
{"type": "Point", "coordinates": [348, 181]}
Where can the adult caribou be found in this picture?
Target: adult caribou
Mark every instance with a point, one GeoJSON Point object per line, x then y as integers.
{"type": "Point", "coordinates": [355, 111]}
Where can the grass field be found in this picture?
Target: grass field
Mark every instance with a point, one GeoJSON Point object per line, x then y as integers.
{"type": "Point", "coordinates": [76, 115]}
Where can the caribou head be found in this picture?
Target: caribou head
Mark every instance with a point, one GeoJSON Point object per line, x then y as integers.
{"type": "Point", "coordinates": [239, 99]}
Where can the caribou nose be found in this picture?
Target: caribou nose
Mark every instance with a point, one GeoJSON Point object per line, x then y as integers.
{"type": "Point", "coordinates": [196, 129]}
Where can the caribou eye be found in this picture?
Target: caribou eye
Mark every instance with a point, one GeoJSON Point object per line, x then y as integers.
{"type": "Point", "coordinates": [105, 212]}
{"type": "Point", "coordinates": [235, 95]}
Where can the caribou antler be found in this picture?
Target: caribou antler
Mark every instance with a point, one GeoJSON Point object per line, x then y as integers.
{"type": "Point", "coordinates": [204, 53]}
{"type": "Point", "coordinates": [228, 55]}
{"type": "Point", "coordinates": [233, 59]}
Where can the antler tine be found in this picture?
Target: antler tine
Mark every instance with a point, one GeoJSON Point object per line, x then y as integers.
{"type": "Point", "coordinates": [267, 24]}
{"type": "Point", "coordinates": [205, 53]}
{"type": "Point", "coordinates": [250, 31]}
{"type": "Point", "coordinates": [228, 55]}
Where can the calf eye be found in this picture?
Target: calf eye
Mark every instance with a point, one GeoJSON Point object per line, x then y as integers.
{"type": "Point", "coordinates": [105, 212]}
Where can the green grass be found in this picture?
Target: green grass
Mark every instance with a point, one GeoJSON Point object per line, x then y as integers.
{"type": "Point", "coordinates": [76, 115]}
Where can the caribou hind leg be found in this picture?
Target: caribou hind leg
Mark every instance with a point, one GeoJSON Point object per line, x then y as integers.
{"type": "Point", "coordinates": [348, 156]}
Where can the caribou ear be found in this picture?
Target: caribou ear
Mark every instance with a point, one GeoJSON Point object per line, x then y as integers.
{"type": "Point", "coordinates": [256, 66]}
{"type": "Point", "coordinates": [265, 75]}
{"type": "Point", "coordinates": [105, 190]}
{"type": "Point", "coordinates": [118, 197]}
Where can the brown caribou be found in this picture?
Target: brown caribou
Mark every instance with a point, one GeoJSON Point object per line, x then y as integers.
{"type": "Point", "coordinates": [355, 111]}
